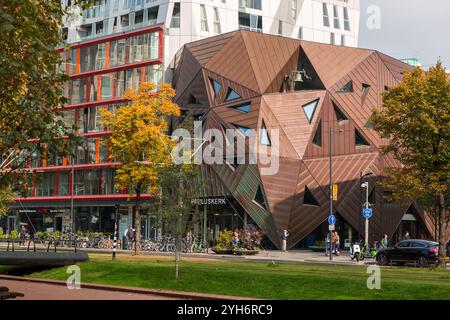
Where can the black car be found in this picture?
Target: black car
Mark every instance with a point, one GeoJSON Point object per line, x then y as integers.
{"type": "Point", "coordinates": [419, 252]}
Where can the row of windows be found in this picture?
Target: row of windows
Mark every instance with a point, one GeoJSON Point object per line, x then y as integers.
{"type": "Point", "coordinates": [90, 151]}
{"type": "Point", "coordinates": [115, 53]}
{"type": "Point", "coordinates": [110, 85]}
{"type": "Point", "coordinates": [144, 17]}
{"type": "Point", "coordinates": [88, 120]}
{"type": "Point", "coordinates": [86, 182]}
{"type": "Point", "coordinates": [336, 19]}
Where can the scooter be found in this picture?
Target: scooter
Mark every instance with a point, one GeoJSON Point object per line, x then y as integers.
{"type": "Point", "coordinates": [355, 252]}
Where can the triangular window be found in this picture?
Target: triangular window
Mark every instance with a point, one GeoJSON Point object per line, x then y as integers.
{"type": "Point", "coordinates": [232, 95]}
{"type": "Point", "coordinates": [216, 86]}
{"type": "Point", "coordinates": [244, 108]}
{"type": "Point", "coordinates": [193, 100]}
{"type": "Point", "coordinates": [309, 199]}
{"type": "Point", "coordinates": [317, 140]}
{"type": "Point", "coordinates": [259, 197]}
{"type": "Point", "coordinates": [360, 140]}
{"type": "Point", "coordinates": [365, 89]}
{"type": "Point", "coordinates": [310, 109]}
{"type": "Point", "coordinates": [244, 130]}
{"type": "Point", "coordinates": [348, 87]}
{"type": "Point", "coordinates": [340, 116]}
{"type": "Point", "coordinates": [265, 139]}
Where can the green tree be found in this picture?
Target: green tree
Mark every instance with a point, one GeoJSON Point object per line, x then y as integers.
{"type": "Point", "coordinates": [180, 183]}
{"type": "Point", "coordinates": [416, 121]}
{"type": "Point", "coordinates": [139, 141]}
{"type": "Point", "coordinates": [31, 85]}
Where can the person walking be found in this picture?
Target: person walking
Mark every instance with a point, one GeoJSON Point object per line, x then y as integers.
{"type": "Point", "coordinates": [235, 241]}
{"type": "Point", "coordinates": [130, 233]}
{"type": "Point", "coordinates": [22, 234]}
{"type": "Point", "coordinates": [384, 242]}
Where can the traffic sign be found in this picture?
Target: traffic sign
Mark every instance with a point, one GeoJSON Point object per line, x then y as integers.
{"type": "Point", "coordinates": [367, 213]}
{"type": "Point", "coordinates": [331, 219]}
{"type": "Point", "coordinates": [331, 227]}
{"type": "Point", "coordinates": [335, 192]}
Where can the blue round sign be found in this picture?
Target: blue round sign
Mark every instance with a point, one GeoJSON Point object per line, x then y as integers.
{"type": "Point", "coordinates": [331, 219]}
{"type": "Point", "coordinates": [367, 213]}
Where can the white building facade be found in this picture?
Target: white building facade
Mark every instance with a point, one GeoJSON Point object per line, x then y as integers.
{"type": "Point", "coordinates": [326, 21]}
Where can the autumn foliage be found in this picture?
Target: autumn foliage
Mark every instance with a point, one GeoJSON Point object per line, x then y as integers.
{"type": "Point", "coordinates": [139, 141]}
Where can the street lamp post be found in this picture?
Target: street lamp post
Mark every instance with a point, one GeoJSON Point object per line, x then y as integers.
{"type": "Point", "coordinates": [331, 189]}
{"type": "Point", "coordinates": [366, 235]}
{"type": "Point", "coordinates": [365, 185]}
{"type": "Point", "coordinates": [116, 217]}
{"type": "Point", "coordinates": [71, 197]}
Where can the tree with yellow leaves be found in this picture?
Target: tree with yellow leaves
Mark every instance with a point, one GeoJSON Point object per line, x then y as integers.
{"type": "Point", "coordinates": [139, 141]}
{"type": "Point", "coordinates": [416, 120]}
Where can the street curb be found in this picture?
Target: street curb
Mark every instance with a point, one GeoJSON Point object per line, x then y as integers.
{"type": "Point", "coordinates": [164, 293]}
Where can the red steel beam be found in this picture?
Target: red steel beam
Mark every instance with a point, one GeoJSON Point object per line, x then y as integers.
{"type": "Point", "coordinates": [92, 197]}
{"type": "Point", "coordinates": [113, 37]}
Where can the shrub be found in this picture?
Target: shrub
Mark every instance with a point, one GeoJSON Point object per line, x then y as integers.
{"type": "Point", "coordinates": [225, 238]}
{"type": "Point", "coordinates": [14, 235]}
{"type": "Point", "coordinates": [250, 239]}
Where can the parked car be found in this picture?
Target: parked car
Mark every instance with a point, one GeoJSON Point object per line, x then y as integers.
{"type": "Point", "coordinates": [420, 252]}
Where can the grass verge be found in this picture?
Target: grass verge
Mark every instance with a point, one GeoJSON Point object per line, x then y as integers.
{"type": "Point", "coordinates": [259, 279]}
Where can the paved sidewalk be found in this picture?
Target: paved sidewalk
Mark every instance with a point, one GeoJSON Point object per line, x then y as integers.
{"type": "Point", "coordinates": [294, 256]}
{"type": "Point", "coordinates": [49, 289]}
{"type": "Point", "coordinates": [44, 291]}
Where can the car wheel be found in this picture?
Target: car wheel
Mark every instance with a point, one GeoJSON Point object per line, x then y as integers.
{"type": "Point", "coordinates": [382, 259]}
{"type": "Point", "coordinates": [422, 262]}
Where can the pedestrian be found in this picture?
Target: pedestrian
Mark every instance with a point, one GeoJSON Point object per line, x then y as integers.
{"type": "Point", "coordinates": [284, 237]}
{"type": "Point", "coordinates": [235, 241]}
{"type": "Point", "coordinates": [384, 242]}
{"type": "Point", "coordinates": [406, 236]}
{"type": "Point", "coordinates": [335, 240]}
{"type": "Point", "coordinates": [130, 237]}
{"type": "Point", "coordinates": [22, 234]}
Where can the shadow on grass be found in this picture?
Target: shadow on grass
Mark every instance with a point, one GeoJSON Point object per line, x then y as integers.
{"type": "Point", "coordinates": [23, 271]}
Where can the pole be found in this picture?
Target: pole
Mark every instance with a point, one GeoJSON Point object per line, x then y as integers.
{"type": "Point", "coordinates": [331, 188]}
{"type": "Point", "coordinates": [205, 213]}
{"type": "Point", "coordinates": [71, 198]}
{"type": "Point", "coordinates": [367, 220]}
{"type": "Point", "coordinates": [115, 232]}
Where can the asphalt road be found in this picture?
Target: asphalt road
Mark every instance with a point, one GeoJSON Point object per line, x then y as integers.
{"type": "Point", "coordinates": [42, 291]}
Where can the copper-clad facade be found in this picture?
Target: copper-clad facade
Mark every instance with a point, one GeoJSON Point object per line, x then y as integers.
{"type": "Point", "coordinates": [342, 85]}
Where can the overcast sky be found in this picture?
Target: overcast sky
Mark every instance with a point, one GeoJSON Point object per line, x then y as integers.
{"type": "Point", "coordinates": [409, 29]}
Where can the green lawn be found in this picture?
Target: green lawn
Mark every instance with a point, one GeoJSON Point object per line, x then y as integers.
{"type": "Point", "coordinates": [261, 280]}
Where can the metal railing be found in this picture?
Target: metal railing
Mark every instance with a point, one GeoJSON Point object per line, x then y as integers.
{"type": "Point", "coordinates": [36, 245]}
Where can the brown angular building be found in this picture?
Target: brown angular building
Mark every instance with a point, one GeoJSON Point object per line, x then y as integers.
{"type": "Point", "coordinates": [247, 80]}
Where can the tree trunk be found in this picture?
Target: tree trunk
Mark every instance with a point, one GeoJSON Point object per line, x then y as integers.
{"type": "Point", "coordinates": [137, 224]}
{"type": "Point", "coordinates": [442, 229]}
{"type": "Point", "coordinates": [436, 223]}
{"type": "Point", "coordinates": [178, 227]}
